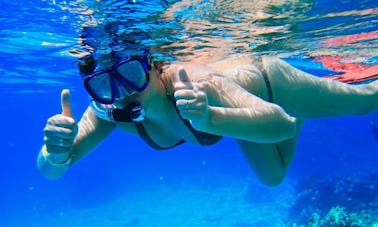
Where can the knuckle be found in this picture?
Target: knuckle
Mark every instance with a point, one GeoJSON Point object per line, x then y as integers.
{"type": "Point", "coordinates": [55, 117]}
{"type": "Point", "coordinates": [71, 133]}
{"type": "Point", "coordinates": [47, 131]}
{"type": "Point", "coordinates": [53, 120]}
{"type": "Point", "coordinates": [177, 94]}
{"type": "Point", "coordinates": [202, 96]}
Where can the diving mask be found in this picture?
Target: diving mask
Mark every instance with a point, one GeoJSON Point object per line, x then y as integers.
{"type": "Point", "coordinates": [125, 78]}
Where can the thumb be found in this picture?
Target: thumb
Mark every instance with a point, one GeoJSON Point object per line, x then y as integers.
{"type": "Point", "coordinates": [66, 103]}
{"type": "Point", "coordinates": [184, 78]}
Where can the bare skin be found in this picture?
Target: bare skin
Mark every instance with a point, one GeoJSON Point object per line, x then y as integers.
{"type": "Point", "coordinates": [223, 98]}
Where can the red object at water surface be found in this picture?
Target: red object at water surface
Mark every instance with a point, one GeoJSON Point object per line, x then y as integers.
{"type": "Point", "coordinates": [350, 68]}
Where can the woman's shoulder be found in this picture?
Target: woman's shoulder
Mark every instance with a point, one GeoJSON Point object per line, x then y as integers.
{"type": "Point", "coordinates": [194, 71]}
{"type": "Point", "coordinates": [240, 60]}
{"type": "Point", "coordinates": [230, 62]}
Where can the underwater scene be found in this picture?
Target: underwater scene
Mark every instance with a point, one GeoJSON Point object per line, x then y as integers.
{"type": "Point", "coordinates": [332, 180]}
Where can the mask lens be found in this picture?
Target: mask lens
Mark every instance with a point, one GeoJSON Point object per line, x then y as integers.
{"type": "Point", "coordinates": [100, 87]}
{"type": "Point", "coordinates": [134, 73]}
{"type": "Point", "coordinates": [122, 91]}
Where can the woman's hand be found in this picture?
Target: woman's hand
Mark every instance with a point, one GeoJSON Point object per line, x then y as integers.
{"type": "Point", "coordinates": [191, 100]}
{"type": "Point", "coordinates": [60, 132]}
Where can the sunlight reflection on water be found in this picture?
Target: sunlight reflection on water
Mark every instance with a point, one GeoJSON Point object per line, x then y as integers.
{"type": "Point", "coordinates": [183, 30]}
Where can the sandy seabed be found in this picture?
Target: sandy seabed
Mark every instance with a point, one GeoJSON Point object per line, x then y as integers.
{"type": "Point", "coordinates": [233, 201]}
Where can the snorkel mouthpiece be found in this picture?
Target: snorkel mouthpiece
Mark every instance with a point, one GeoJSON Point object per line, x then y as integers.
{"type": "Point", "coordinates": [133, 112]}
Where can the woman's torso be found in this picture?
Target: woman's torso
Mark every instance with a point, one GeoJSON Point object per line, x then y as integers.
{"type": "Point", "coordinates": [166, 128]}
{"type": "Point", "coordinates": [165, 131]}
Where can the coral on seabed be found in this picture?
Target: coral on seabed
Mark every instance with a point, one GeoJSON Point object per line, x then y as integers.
{"type": "Point", "coordinates": [350, 201]}
{"type": "Point", "coordinates": [337, 216]}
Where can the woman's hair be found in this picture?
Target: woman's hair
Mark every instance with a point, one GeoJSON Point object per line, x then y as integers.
{"type": "Point", "coordinates": [86, 64]}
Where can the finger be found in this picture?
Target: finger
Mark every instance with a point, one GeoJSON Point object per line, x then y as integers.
{"type": "Point", "coordinates": [62, 133]}
{"type": "Point", "coordinates": [191, 114]}
{"type": "Point", "coordinates": [184, 104]}
{"type": "Point", "coordinates": [52, 149]}
{"type": "Point", "coordinates": [58, 142]}
{"type": "Point", "coordinates": [184, 78]}
{"type": "Point", "coordinates": [189, 86]}
{"type": "Point", "coordinates": [68, 123]}
{"type": "Point", "coordinates": [62, 121]}
{"type": "Point", "coordinates": [184, 94]}
{"type": "Point", "coordinates": [66, 103]}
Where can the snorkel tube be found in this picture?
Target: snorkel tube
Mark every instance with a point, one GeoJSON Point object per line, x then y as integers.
{"type": "Point", "coordinates": [133, 112]}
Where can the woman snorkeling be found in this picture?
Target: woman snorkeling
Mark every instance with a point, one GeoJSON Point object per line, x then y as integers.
{"type": "Point", "coordinates": [261, 103]}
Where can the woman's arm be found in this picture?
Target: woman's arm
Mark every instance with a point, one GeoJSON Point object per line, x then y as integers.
{"type": "Point", "coordinates": [92, 131]}
{"type": "Point", "coordinates": [65, 142]}
{"type": "Point", "coordinates": [260, 125]}
{"type": "Point", "coordinates": [222, 107]}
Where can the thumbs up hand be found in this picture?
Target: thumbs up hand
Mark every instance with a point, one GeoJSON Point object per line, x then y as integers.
{"type": "Point", "coordinates": [191, 100]}
{"type": "Point", "coordinates": [60, 131]}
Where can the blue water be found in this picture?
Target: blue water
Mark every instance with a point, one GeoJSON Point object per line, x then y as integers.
{"type": "Point", "coordinates": [126, 183]}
